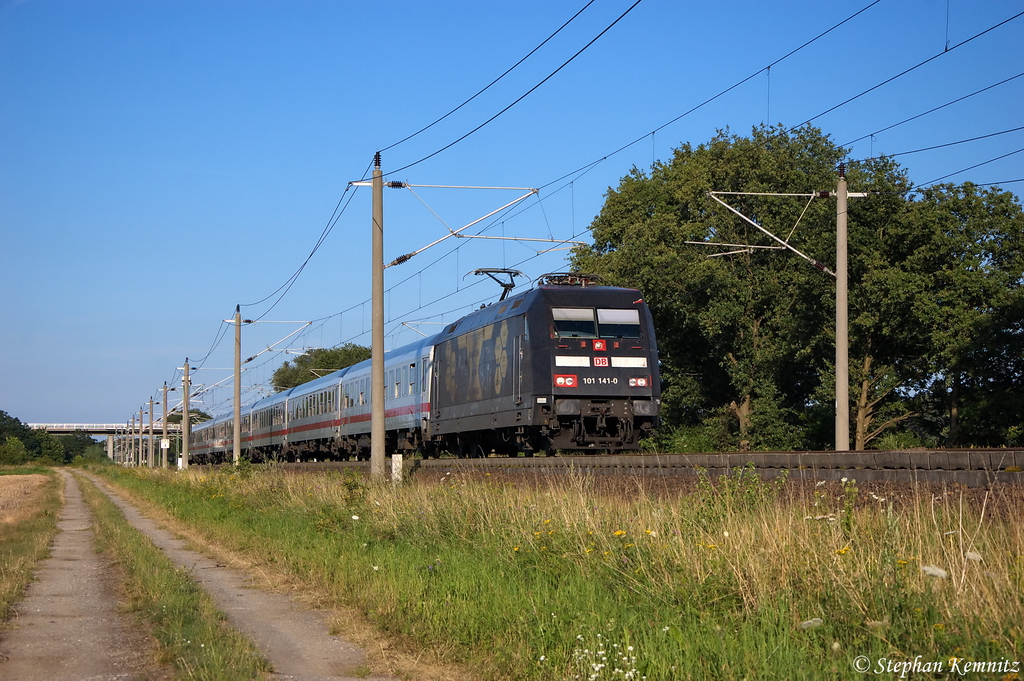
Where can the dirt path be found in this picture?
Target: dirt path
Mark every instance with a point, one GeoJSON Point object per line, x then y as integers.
{"type": "Point", "coordinates": [68, 626]}
{"type": "Point", "coordinates": [293, 638]}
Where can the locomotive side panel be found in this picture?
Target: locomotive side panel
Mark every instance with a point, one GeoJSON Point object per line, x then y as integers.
{"type": "Point", "coordinates": [477, 379]}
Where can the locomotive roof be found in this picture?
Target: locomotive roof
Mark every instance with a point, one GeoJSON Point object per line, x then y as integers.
{"type": "Point", "coordinates": [521, 302]}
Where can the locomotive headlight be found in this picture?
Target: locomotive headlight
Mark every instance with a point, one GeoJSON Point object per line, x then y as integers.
{"type": "Point", "coordinates": [639, 382]}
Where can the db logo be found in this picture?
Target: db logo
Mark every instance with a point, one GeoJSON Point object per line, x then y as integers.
{"type": "Point", "coordinates": [600, 361]}
{"type": "Point", "coordinates": [566, 381]}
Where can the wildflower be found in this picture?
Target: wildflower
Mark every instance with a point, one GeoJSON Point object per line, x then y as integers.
{"type": "Point", "coordinates": [813, 623]}
{"type": "Point", "coordinates": [843, 551]}
{"type": "Point", "coordinates": [516, 548]}
{"type": "Point", "coordinates": [355, 517]}
{"type": "Point", "coordinates": [619, 533]}
{"type": "Point", "coordinates": [376, 568]}
{"type": "Point", "coordinates": [934, 571]}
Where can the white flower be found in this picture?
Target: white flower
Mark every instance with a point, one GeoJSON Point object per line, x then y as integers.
{"type": "Point", "coordinates": [934, 571]}
{"type": "Point", "coordinates": [355, 517]}
{"type": "Point", "coordinates": [812, 623]}
{"type": "Point", "coordinates": [375, 568]}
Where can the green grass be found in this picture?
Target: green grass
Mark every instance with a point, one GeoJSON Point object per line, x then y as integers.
{"type": "Point", "coordinates": [190, 632]}
{"type": "Point", "coordinates": [26, 535]}
{"type": "Point", "coordinates": [570, 578]}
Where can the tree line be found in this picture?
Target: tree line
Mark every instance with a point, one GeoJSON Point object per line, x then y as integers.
{"type": "Point", "coordinates": [747, 335]}
{"type": "Point", "coordinates": [20, 444]}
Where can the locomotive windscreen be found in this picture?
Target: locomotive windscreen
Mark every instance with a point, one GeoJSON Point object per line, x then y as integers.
{"type": "Point", "coordinates": [619, 323]}
{"type": "Point", "coordinates": [574, 322]}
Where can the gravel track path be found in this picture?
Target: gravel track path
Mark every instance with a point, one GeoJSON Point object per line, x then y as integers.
{"type": "Point", "coordinates": [68, 626]}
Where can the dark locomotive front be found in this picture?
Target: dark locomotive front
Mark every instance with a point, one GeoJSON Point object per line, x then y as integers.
{"type": "Point", "coordinates": [564, 366]}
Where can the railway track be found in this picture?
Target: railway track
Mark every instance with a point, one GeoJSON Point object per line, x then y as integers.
{"type": "Point", "coordinates": [968, 467]}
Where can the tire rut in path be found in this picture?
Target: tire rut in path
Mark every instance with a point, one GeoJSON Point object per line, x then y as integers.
{"type": "Point", "coordinates": [67, 625]}
{"type": "Point", "coordinates": [293, 638]}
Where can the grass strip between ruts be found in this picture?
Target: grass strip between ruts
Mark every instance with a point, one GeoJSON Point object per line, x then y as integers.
{"type": "Point", "coordinates": [190, 632]}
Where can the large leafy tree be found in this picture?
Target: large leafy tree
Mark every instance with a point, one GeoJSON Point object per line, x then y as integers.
{"type": "Point", "coordinates": [742, 336]}
{"type": "Point", "coordinates": [974, 255]}
{"type": "Point", "coordinates": [747, 336]}
{"type": "Point", "coordinates": [316, 363]}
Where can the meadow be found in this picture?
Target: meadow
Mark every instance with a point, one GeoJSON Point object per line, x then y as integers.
{"type": "Point", "coordinates": [577, 577]}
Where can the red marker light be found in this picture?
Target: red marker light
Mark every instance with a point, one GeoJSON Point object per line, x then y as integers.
{"type": "Point", "coordinates": [600, 345]}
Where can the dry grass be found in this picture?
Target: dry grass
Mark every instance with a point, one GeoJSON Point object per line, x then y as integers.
{"type": "Point", "coordinates": [719, 579]}
{"type": "Point", "coordinates": [20, 496]}
{"type": "Point", "coordinates": [29, 505]}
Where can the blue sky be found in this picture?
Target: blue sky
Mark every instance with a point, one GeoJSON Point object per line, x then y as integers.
{"type": "Point", "coordinates": [161, 162]}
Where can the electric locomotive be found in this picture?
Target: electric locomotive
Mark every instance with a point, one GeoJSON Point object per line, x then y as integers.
{"type": "Point", "coordinates": [568, 365]}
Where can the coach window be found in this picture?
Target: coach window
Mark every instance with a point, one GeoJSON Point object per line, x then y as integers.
{"type": "Point", "coordinates": [414, 378]}
{"type": "Point", "coordinates": [574, 322]}
{"type": "Point", "coordinates": [619, 323]}
{"type": "Point", "coordinates": [423, 375]}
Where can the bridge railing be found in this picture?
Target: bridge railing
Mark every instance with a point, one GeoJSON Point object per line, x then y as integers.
{"type": "Point", "coordinates": [99, 427]}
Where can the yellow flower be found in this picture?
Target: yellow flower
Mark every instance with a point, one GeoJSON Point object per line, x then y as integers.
{"type": "Point", "coordinates": [516, 548]}
{"type": "Point", "coordinates": [843, 551]}
{"type": "Point", "coordinates": [619, 533]}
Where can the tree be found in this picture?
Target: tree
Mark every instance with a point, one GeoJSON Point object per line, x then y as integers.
{"type": "Point", "coordinates": [974, 256]}
{"type": "Point", "coordinates": [76, 444]}
{"type": "Point", "coordinates": [747, 337]}
{"type": "Point", "coordinates": [316, 363]}
{"type": "Point", "coordinates": [741, 337]}
{"type": "Point", "coordinates": [13, 452]}
{"type": "Point", "coordinates": [27, 437]}
{"type": "Point", "coordinates": [195, 416]}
